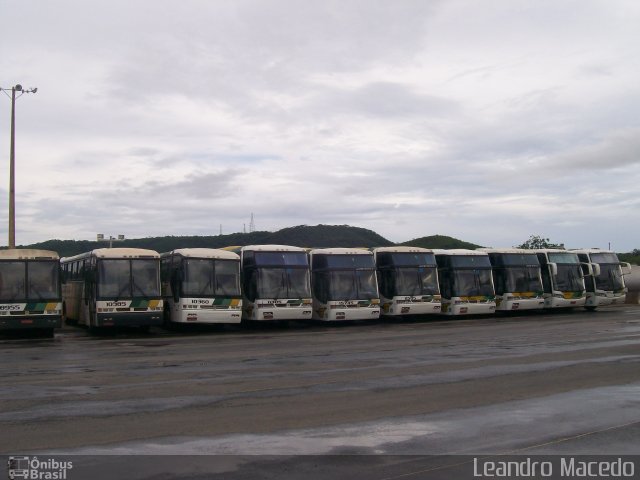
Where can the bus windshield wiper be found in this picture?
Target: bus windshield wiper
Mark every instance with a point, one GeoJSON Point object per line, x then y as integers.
{"type": "Point", "coordinates": [138, 288]}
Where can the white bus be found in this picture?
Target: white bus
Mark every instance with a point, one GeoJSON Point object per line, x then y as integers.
{"type": "Point", "coordinates": [562, 278]}
{"type": "Point", "coordinates": [344, 284]}
{"type": "Point", "coordinates": [201, 285]}
{"type": "Point", "coordinates": [466, 283]}
{"type": "Point", "coordinates": [605, 286]}
{"type": "Point", "coordinates": [112, 287]}
{"type": "Point", "coordinates": [517, 278]}
{"type": "Point", "coordinates": [275, 282]}
{"type": "Point", "coordinates": [30, 296]}
{"type": "Point", "coordinates": [407, 280]}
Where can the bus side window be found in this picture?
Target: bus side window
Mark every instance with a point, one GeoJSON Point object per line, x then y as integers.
{"type": "Point", "coordinates": [250, 284]}
{"type": "Point", "coordinates": [445, 284]}
{"type": "Point", "coordinates": [387, 282]}
{"type": "Point", "coordinates": [320, 289]}
{"type": "Point", "coordinates": [546, 279]}
{"type": "Point", "coordinates": [500, 280]}
{"type": "Point", "coordinates": [174, 283]}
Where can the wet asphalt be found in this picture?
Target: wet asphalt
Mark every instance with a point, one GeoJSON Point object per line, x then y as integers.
{"type": "Point", "coordinates": [563, 383]}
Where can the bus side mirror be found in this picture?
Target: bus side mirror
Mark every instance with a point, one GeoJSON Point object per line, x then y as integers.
{"type": "Point", "coordinates": [587, 269]}
{"type": "Point", "coordinates": [626, 268]}
{"type": "Point", "coordinates": [596, 269]}
{"type": "Point", "coordinates": [553, 268]}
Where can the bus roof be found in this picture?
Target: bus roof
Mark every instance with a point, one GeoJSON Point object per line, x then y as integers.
{"type": "Point", "coordinates": [341, 251]}
{"type": "Point", "coordinates": [458, 251]}
{"type": "Point", "coordinates": [114, 253]}
{"type": "Point", "coordinates": [272, 248]}
{"type": "Point", "coordinates": [403, 249]}
{"type": "Point", "coordinates": [590, 250]}
{"type": "Point", "coordinates": [203, 253]}
{"type": "Point", "coordinates": [522, 251]}
{"type": "Point", "coordinates": [28, 254]}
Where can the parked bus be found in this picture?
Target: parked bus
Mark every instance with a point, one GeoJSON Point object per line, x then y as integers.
{"type": "Point", "coordinates": [201, 285]}
{"type": "Point", "coordinates": [465, 281]}
{"type": "Point", "coordinates": [517, 278]}
{"type": "Point", "coordinates": [606, 285]}
{"type": "Point", "coordinates": [562, 278]}
{"type": "Point", "coordinates": [112, 287]}
{"type": "Point", "coordinates": [344, 284]}
{"type": "Point", "coordinates": [275, 282]}
{"type": "Point", "coordinates": [30, 296]}
{"type": "Point", "coordinates": [407, 280]}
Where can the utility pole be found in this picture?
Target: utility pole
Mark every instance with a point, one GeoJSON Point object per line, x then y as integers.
{"type": "Point", "coordinates": [12, 160]}
{"type": "Point", "coordinates": [101, 238]}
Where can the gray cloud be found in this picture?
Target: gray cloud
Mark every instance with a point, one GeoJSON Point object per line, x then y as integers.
{"type": "Point", "coordinates": [619, 149]}
{"type": "Point", "coordinates": [486, 122]}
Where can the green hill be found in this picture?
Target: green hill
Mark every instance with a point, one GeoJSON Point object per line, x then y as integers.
{"type": "Point", "coordinates": [440, 241]}
{"type": "Point", "coordinates": [302, 236]}
{"type": "Point", "coordinates": [325, 236]}
{"type": "Point", "coordinates": [320, 236]}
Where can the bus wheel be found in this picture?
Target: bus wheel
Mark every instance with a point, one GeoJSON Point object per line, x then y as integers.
{"type": "Point", "coordinates": [590, 309]}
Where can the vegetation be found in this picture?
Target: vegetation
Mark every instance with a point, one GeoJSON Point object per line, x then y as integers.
{"type": "Point", "coordinates": [440, 241]}
{"type": "Point", "coordinates": [536, 241]}
{"type": "Point", "coordinates": [301, 236]}
{"type": "Point", "coordinates": [632, 257]}
{"type": "Point", "coordinates": [319, 236]}
{"type": "Point", "coordinates": [325, 236]}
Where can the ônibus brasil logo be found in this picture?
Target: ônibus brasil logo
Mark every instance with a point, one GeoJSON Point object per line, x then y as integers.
{"type": "Point", "coordinates": [33, 468]}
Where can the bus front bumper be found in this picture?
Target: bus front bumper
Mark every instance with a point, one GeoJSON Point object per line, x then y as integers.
{"type": "Point", "coordinates": [418, 308]}
{"type": "Point", "coordinates": [138, 319]}
{"type": "Point", "coordinates": [30, 322]}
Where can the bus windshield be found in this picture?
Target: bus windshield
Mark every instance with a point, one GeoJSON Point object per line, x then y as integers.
{"type": "Point", "coordinates": [415, 281]}
{"type": "Point", "coordinates": [517, 259]}
{"type": "Point", "coordinates": [43, 280]}
{"type": "Point", "coordinates": [343, 261]}
{"type": "Point", "coordinates": [470, 261]}
{"type": "Point", "coordinates": [207, 278]}
{"type": "Point", "coordinates": [42, 276]}
{"type": "Point", "coordinates": [569, 278]}
{"type": "Point", "coordinates": [284, 283]}
{"type": "Point", "coordinates": [564, 257]}
{"type": "Point", "coordinates": [610, 277]}
{"type": "Point", "coordinates": [604, 257]}
{"type": "Point", "coordinates": [407, 259]}
{"type": "Point", "coordinates": [227, 277]}
{"type": "Point", "coordinates": [281, 259]}
{"type": "Point", "coordinates": [352, 285]}
{"type": "Point", "coordinates": [471, 283]}
{"type": "Point", "coordinates": [128, 278]}
{"type": "Point", "coordinates": [12, 281]}
{"type": "Point", "coordinates": [518, 279]}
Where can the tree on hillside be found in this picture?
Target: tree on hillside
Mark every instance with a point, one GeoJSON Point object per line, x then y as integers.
{"type": "Point", "coordinates": [536, 241]}
{"type": "Point", "coordinates": [440, 241]}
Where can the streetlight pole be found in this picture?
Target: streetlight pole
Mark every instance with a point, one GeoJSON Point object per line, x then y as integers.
{"type": "Point", "coordinates": [12, 161]}
{"type": "Point", "coordinates": [101, 238]}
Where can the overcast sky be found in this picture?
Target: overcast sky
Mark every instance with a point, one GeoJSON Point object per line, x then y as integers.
{"type": "Point", "coordinates": [488, 121]}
